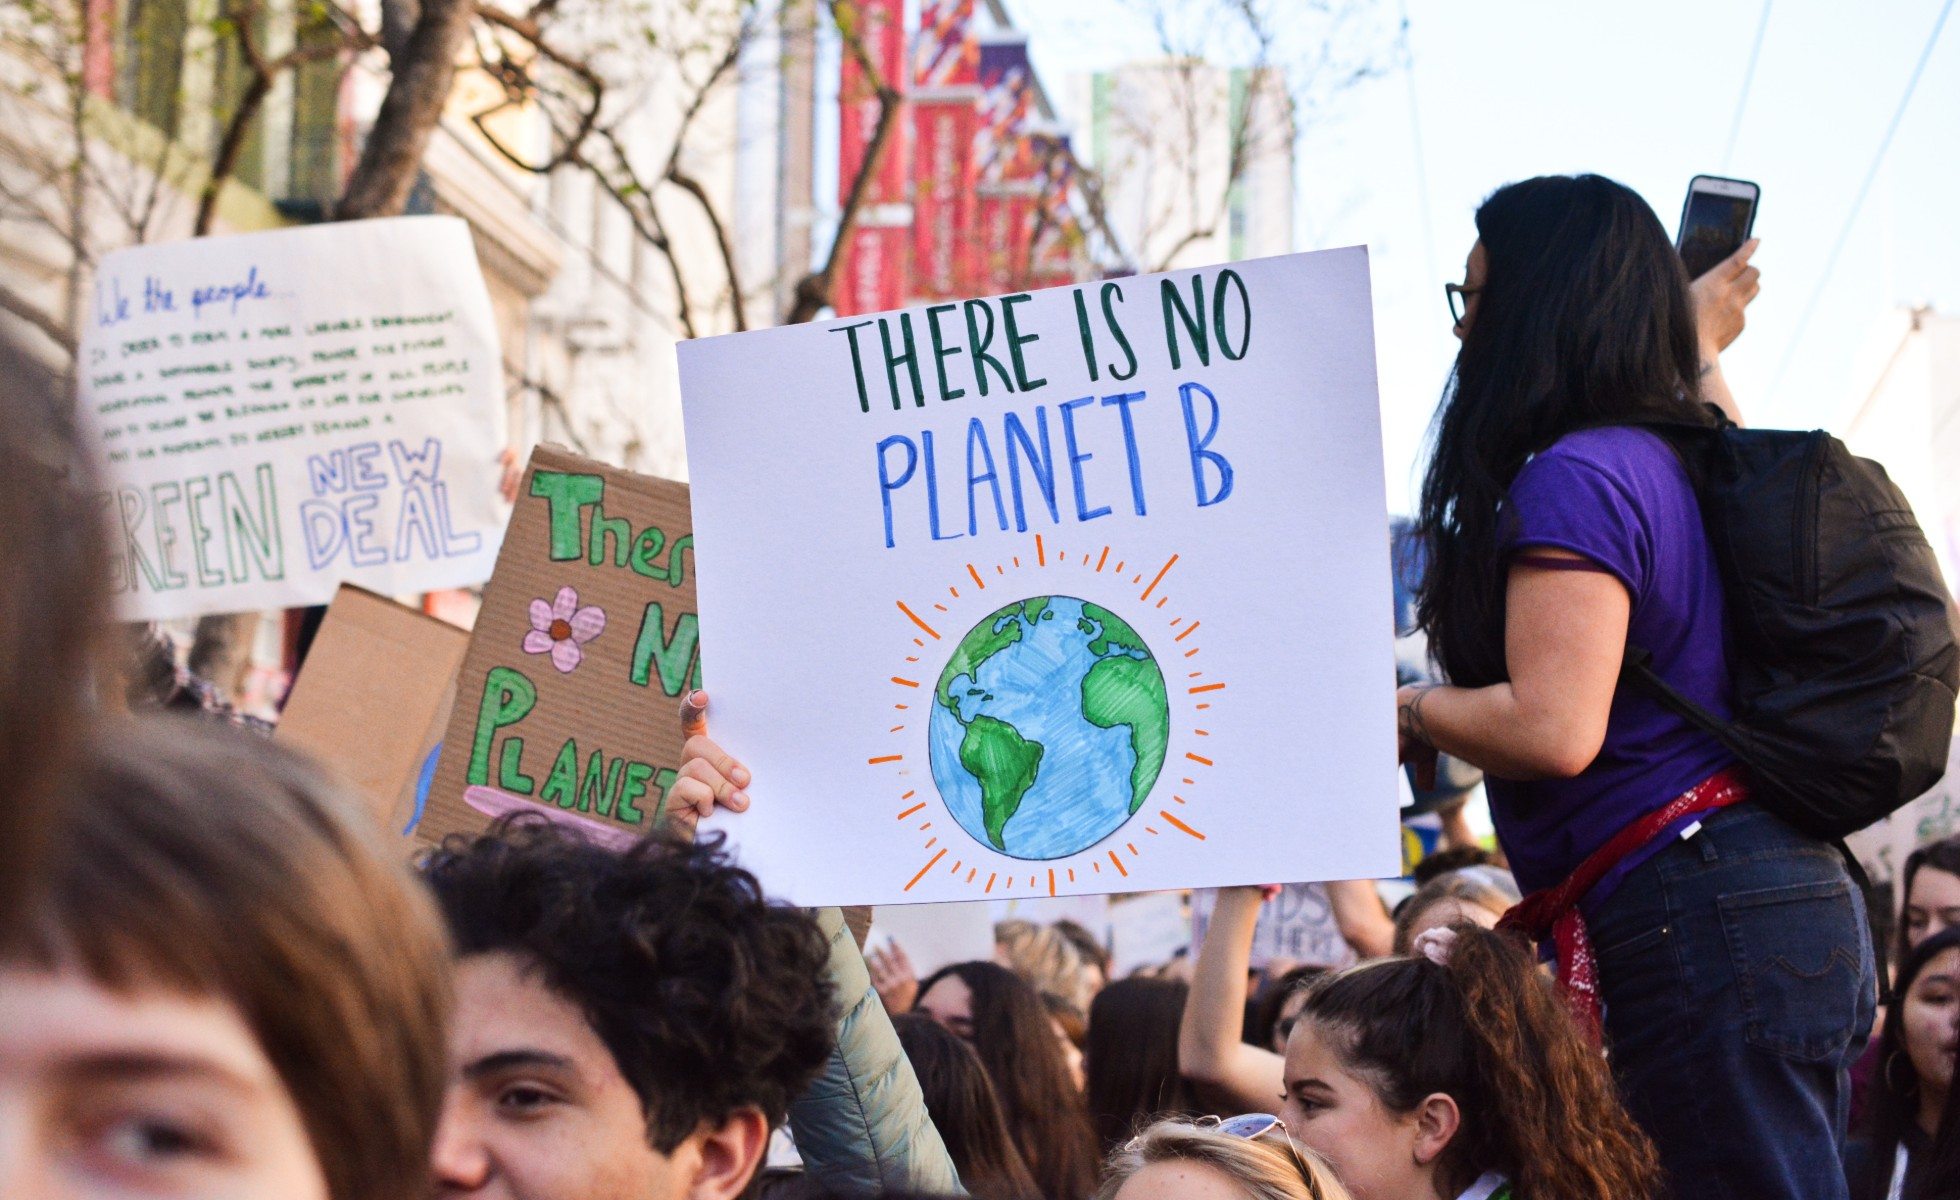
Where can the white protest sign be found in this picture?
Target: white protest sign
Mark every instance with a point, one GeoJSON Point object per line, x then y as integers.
{"type": "Point", "coordinates": [278, 413]}
{"type": "Point", "coordinates": [1074, 591]}
{"type": "Point", "coordinates": [936, 935]}
{"type": "Point", "coordinates": [1296, 927]}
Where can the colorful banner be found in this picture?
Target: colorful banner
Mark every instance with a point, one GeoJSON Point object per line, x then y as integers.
{"type": "Point", "coordinates": [1038, 594]}
{"type": "Point", "coordinates": [874, 268]}
{"type": "Point", "coordinates": [945, 115]}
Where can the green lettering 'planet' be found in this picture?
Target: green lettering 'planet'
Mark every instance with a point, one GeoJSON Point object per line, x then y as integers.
{"type": "Point", "coordinates": [1049, 726]}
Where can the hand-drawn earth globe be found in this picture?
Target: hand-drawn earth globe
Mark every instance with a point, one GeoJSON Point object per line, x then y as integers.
{"type": "Point", "coordinates": [1049, 727]}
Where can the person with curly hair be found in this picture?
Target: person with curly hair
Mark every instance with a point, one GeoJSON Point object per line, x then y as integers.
{"type": "Point", "coordinates": [627, 1024]}
{"type": "Point", "coordinates": [1458, 1071]}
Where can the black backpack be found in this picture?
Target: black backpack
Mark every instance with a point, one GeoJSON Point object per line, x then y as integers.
{"type": "Point", "coordinates": [1841, 648]}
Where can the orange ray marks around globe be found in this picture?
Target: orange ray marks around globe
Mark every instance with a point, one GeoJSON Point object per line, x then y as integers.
{"type": "Point", "coordinates": [999, 570]}
{"type": "Point", "coordinates": [917, 642]}
{"type": "Point", "coordinates": [1202, 732]}
{"type": "Point", "coordinates": [1178, 798]}
{"type": "Point", "coordinates": [1190, 783]}
{"type": "Point", "coordinates": [1188, 630]}
{"type": "Point", "coordinates": [1162, 571]}
{"type": "Point", "coordinates": [1131, 847]}
{"type": "Point", "coordinates": [1103, 559]}
{"type": "Point", "coordinates": [1051, 881]}
{"type": "Point", "coordinates": [942, 608]}
{"type": "Point", "coordinates": [1152, 832]}
{"type": "Point", "coordinates": [1097, 866]}
{"type": "Point", "coordinates": [1202, 707]}
{"type": "Point", "coordinates": [911, 658]}
{"type": "Point", "coordinates": [901, 707]}
{"type": "Point", "coordinates": [1188, 653]}
{"type": "Point", "coordinates": [977, 581]}
{"type": "Point", "coordinates": [1206, 687]}
{"type": "Point", "coordinates": [1040, 552]}
{"type": "Point", "coordinates": [885, 758]}
{"type": "Point", "coordinates": [896, 729]}
{"type": "Point", "coordinates": [1119, 571]}
{"type": "Point", "coordinates": [927, 867]}
{"type": "Point", "coordinates": [915, 808]}
{"type": "Point", "coordinates": [1175, 622]}
{"type": "Point", "coordinates": [916, 621]}
{"type": "Point", "coordinates": [1017, 562]}
{"type": "Point", "coordinates": [1062, 556]}
{"type": "Point", "coordinates": [926, 826]}
{"type": "Point", "coordinates": [1195, 675]}
{"type": "Point", "coordinates": [957, 864]}
{"type": "Point", "coordinates": [1199, 759]}
{"type": "Point", "coordinates": [1071, 874]}
{"type": "Point", "coordinates": [1009, 885]}
{"type": "Point", "coordinates": [1136, 579]}
{"type": "Point", "coordinates": [955, 591]}
{"type": "Point", "coordinates": [991, 876]}
{"type": "Point", "coordinates": [931, 842]}
{"type": "Point", "coordinates": [971, 872]}
{"type": "Point", "coordinates": [1120, 868]}
{"type": "Point", "coordinates": [1165, 813]}
{"type": "Point", "coordinates": [1163, 600]}
{"type": "Point", "coordinates": [911, 683]}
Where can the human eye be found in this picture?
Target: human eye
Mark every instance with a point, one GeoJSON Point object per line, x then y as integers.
{"type": "Point", "coordinates": [526, 1099]}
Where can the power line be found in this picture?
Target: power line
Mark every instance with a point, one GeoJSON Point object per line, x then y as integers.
{"type": "Point", "coordinates": [1748, 79]}
{"type": "Point", "coordinates": [1415, 139]}
{"type": "Point", "coordinates": [1864, 189]}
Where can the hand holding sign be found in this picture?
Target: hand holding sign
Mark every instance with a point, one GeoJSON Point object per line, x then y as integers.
{"type": "Point", "coordinates": [709, 775]}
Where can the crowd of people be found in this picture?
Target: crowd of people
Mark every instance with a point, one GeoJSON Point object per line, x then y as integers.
{"type": "Point", "coordinates": [217, 978]}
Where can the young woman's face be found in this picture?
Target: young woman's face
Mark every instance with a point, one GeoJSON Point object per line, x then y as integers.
{"type": "Point", "coordinates": [950, 1002]}
{"type": "Point", "coordinates": [1931, 1008]}
{"type": "Point", "coordinates": [1475, 268]}
{"type": "Point", "coordinates": [1932, 905]}
{"type": "Point", "coordinates": [147, 1095]}
{"type": "Point", "coordinates": [1334, 1112]}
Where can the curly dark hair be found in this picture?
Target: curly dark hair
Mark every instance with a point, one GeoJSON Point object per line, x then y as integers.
{"type": "Point", "coordinates": [1489, 1031]}
{"type": "Point", "coordinates": [710, 998]}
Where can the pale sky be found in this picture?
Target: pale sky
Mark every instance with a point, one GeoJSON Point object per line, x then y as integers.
{"type": "Point", "coordinates": [1506, 89]}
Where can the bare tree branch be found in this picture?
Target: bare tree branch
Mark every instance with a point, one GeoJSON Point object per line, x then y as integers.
{"type": "Point", "coordinates": [57, 332]}
{"type": "Point", "coordinates": [418, 88]}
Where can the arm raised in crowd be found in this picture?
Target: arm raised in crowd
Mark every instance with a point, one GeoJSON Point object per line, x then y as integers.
{"type": "Point", "coordinates": [1210, 1052]}
{"type": "Point", "coordinates": [1565, 635]}
{"type": "Point", "coordinates": [1363, 918]}
{"type": "Point", "coordinates": [1721, 296]}
{"type": "Point", "coordinates": [862, 1125]}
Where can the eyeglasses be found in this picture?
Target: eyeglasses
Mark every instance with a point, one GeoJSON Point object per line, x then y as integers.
{"type": "Point", "coordinates": [1459, 298]}
{"type": "Point", "coordinates": [1253, 1126]}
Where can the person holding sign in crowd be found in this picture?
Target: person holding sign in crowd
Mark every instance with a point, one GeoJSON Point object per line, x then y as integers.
{"type": "Point", "coordinates": [1558, 532]}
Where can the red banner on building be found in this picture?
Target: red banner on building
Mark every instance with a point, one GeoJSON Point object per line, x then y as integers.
{"type": "Point", "coordinates": [874, 269]}
{"type": "Point", "coordinates": [945, 111]}
{"type": "Point", "coordinates": [1004, 160]}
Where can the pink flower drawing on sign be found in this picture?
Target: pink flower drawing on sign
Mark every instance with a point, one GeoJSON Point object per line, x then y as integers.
{"type": "Point", "coordinates": [561, 628]}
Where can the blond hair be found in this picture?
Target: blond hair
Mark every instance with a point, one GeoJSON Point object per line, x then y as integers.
{"type": "Point", "coordinates": [1046, 958]}
{"type": "Point", "coordinates": [1264, 1168]}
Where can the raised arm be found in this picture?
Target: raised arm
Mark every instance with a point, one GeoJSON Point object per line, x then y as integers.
{"type": "Point", "coordinates": [1210, 1052]}
{"type": "Point", "coordinates": [1362, 917]}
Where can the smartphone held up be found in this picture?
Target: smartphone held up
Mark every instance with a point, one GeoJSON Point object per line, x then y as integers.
{"type": "Point", "coordinates": [1716, 219]}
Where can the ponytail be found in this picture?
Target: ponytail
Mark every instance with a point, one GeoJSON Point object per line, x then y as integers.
{"type": "Point", "coordinates": [1486, 1029]}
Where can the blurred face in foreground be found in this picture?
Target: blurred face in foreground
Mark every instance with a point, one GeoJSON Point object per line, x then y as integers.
{"type": "Point", "coordinates": [1180, 1181]}
{"type": "Point", "coordinates": [537, 1108]}
{"type": "Point", "coordinates": [1930, 1011]}
{"type": "Point", "coordinates": [147, 1094]}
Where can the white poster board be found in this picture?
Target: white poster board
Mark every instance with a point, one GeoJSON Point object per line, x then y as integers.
{"type": "Point", "coordinates": [1074, 591]}
{"type": "Point", "coordinates": [276, 414]}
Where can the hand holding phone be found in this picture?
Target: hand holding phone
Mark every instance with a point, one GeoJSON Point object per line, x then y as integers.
{"type": "Point", "coordinates": [1716, 219]}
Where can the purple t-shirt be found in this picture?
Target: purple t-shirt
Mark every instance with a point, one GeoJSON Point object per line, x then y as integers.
{"type": "Point", "coordinates": [1619, 497]}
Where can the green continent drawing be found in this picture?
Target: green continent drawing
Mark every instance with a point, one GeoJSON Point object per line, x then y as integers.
{"type": "Point", "coordinates": [1049, 727]}
{"type": "Point", "coordinates": [1005, 763]}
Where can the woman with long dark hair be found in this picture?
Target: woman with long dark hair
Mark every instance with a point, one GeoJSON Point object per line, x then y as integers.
{"type": "Point", "coordinates": [1560, 531]}
{"type": "Point", "coordinates": [1001, 1015]}
{"type": "Point", "coordinates": [1456, 1072]}
{"type": "Point", "coordinates": [1132, 1057]}
{"type": "Point", "coordinates": [1909, 1098]}
{"type": "Point", "coordinates": [961, 1099]}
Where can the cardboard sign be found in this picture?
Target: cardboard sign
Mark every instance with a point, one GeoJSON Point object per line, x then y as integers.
{"type": "Point", "coordinates": [568, 701]}
{"type": "Point", "coordinates": [276, 413]}
{"type": "Point", "coordinates": [1079, 590]}
{"type": "Point", "coordinates": [1296, 927]}
{"type": "Point", "coordinates": [373, 697]}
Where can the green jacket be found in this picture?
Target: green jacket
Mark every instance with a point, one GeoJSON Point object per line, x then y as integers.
{"type": "Point", "coordinates": [862, 1125]}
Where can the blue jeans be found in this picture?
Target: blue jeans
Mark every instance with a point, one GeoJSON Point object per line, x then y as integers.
{"type": "Point", "coordinates": [1736, 972]}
